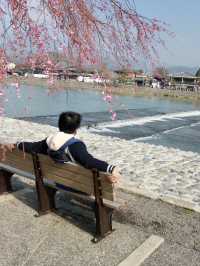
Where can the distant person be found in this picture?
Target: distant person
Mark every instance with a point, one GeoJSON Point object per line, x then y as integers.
{"type": "Point", "coordinates": [63, 147]}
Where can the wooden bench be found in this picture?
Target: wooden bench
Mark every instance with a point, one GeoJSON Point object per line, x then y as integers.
{"type": "Point", "coordinates": [50, 176]}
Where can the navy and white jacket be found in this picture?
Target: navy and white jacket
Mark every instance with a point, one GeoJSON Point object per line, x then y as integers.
{"type": "Point", "coordinates": [76, 152]}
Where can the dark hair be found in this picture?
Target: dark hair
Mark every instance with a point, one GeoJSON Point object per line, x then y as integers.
{"type": "Point", "coordinates": [69, 121]}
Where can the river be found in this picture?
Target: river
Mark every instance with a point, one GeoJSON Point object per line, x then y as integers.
{"type": "Point", "coordinates": [157, 121]}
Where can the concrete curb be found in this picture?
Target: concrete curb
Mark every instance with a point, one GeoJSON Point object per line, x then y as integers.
{"type": "Point", "coordinates": [143, 252]}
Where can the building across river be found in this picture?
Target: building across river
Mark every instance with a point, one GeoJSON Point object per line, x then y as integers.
{"type": "Point", "coordinates": [184, 82]}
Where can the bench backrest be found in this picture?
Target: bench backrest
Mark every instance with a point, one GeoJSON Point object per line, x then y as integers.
{"type": "Point", "coordinates": [75, 176]}
{"type": "Point", "coordinates": [19, 160]}
{"type": "Point", "coordinates": [69, 174]}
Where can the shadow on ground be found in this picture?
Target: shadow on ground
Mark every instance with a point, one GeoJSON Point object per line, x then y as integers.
{"type": "Point", "coordinates": [66, 207]}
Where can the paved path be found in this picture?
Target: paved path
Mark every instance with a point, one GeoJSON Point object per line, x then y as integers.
{"type": "Point", "coordinates": [65, 239]}
{"type": "Point", "coordinates": [143, 252]}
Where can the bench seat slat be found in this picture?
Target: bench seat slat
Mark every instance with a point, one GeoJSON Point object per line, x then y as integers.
{"type": "Point", "coordinates": [79, 186]}
{"type": "Point", "coordinates": [70, 183]}
{"type": "Point", "coordinates": [17, 171]}
{"type": "Point", "coordinates": [112, 204]}
{"type": "Point", "coordinates": [20, 164]}
{"type": "Point", "coordinates": [49, 171]}
{"type": "Point", "coordinates": [19, 154]}
{"type": "Point", "coordinates": [19, 160]}
{"type": "Point", "coordinates": [72, 167]}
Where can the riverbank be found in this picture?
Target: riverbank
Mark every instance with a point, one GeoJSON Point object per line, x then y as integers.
{"type": "Point", "coordinates": [157, 172]}
{"type": "Point", "coordinates": [123, 90]}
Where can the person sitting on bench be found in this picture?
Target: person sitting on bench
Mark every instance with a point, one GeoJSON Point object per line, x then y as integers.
{"type": "Point", "coordinates": [63, 147]}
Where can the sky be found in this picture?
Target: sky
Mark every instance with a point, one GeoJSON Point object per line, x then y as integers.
{"type": "Point", "coordinates": [183, 16]}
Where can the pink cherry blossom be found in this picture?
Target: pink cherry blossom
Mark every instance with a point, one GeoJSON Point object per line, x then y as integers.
{"type": "Point", "coordinates": [81, 31]}
{"type": "Point", "coordinates": [114, 115]}
{"type": "Point", "coordinates": [108, 98]}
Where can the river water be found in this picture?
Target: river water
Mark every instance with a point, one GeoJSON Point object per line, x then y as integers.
{"type": "Point", "coordinates": [152, 120]}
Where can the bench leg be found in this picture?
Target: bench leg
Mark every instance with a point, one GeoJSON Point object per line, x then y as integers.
{"type": "Point", "coordinates": [5, 181]}
{"type": "Point", "coordinates": [45, 194]}
{"type": "Point", "coordinates": [103, 216]}
{"type": "Point", "coordinates": [46, 197]}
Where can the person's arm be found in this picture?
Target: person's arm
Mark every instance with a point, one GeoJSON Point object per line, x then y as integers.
{"type": "Point", "coordinates": [33, 147]}
{"type": "Point", "coordinates": [80, 154]}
